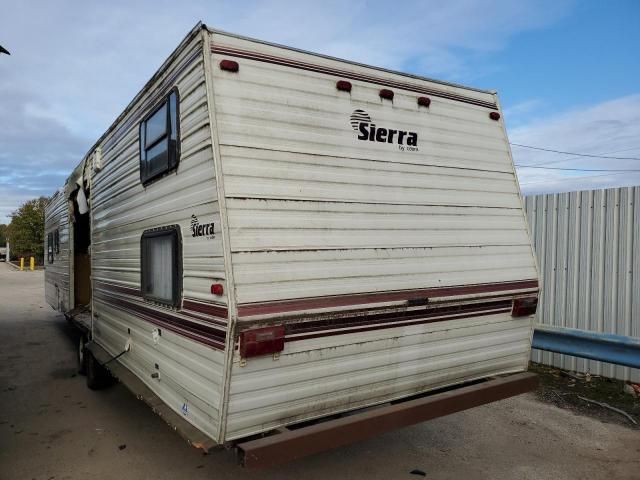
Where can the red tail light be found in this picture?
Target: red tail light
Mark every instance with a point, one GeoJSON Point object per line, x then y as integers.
{"type": "Point", "coordinates": [229, 65]}
{"type": "Point", "coordinates": [261, 341]}
{"type": "Point", "coordinates": [523, 307]}
{"type": "Point", "coordinates": [494, 116]}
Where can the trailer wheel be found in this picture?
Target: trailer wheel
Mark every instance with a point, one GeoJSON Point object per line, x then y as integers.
{"type": "Point", "coordinates": [82, 361]}
{"type": "Point", "coordinates": [97, 376]}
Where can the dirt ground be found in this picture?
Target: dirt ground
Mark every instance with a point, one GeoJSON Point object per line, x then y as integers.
{"type": "Point", "coordinates": [53, 427]}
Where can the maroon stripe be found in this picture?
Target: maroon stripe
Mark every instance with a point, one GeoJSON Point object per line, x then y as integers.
{"type": "Point", "coordinates": [395, 325]}
{"type": "Point", "coordinates": [360, 299]}
{"type": "Point", "coordinates": [191, 308]}
{"type": "Point", "coordinates": [206, 308]}
{"type": "Point", "coordinates": [412, 87]}
{"type": "Point", "coordinates": [205, 334]}
{"type": "Point", "coordinates": [377, 318]}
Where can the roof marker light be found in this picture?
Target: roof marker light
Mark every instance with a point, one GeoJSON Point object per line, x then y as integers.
{"type": "Point", "coordinates": [424, 101]}
{"type": "Point", "coordinates": [343, 85]}
{"type": "Point", "coordinates": [229, 65]}
{"type": "Point", "coordinates": [386, 93]}
{"type": "Point", "coordinates": [494, 116]}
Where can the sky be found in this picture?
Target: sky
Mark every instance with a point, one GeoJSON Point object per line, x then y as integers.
{"type": "Point", "coordinates": [567, 72]}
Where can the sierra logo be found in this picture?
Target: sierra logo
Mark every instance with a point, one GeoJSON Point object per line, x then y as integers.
{"type": "Point", "coordinates": [368, 131]}
{"type": "Point", "coordinates": [201, 229]}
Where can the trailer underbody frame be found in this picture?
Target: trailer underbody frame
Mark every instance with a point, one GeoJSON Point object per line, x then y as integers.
{"type": "Point", "coordinates": [291, 443]}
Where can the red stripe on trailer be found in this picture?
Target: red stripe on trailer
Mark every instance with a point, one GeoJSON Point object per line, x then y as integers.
{"type": "Point", "coordinates": [205, 334]}
{"type": "Point", "coordinates": [284, 306]}
{"type": "Point", "coordinates": [338, 326]}
{"type": "Point", "coordinates": [191, 307]}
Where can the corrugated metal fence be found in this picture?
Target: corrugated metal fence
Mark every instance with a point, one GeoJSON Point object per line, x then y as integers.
{"type": "Point", "coordinates": [588, 250]}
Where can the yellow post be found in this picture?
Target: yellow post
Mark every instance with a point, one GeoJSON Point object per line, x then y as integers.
{"type": "Point", "coordinates": [32, 264]}
{"type": "Point", "coordinates": [21, 263]}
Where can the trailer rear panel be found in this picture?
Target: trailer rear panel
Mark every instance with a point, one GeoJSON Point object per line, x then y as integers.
{"type": "Point", "coordinates": [343, 209]}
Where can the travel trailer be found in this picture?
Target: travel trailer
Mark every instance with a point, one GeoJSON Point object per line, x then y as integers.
{"type": "Point", "coordinates": [284, 252]}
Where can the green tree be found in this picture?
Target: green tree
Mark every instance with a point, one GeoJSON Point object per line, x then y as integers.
{"type": "Point", "coordinates": [26, 230]}
{"type": "Point", "coordinates": [3, 235]}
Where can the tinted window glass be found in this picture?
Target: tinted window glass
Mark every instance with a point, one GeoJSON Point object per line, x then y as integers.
{"type": "Point", "coordinates": [156, 126]}
{"type": "Point", "coordinates": [160, 139]}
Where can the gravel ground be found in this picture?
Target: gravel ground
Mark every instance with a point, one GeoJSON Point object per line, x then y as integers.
{"type": "Point", "coordinates": [53, 427]}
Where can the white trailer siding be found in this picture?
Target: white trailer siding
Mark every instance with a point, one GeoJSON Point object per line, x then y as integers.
{"type": "Point", "coordinates": [318, 377]}
{"type": "Point", "coordinates": [188, 354]}
{"type": "Point", "coordinates": [314, 213]}
{"type": "Point", "coordinates": [297, 181]}
{"type": "Point", "coordinates": [56, 275]}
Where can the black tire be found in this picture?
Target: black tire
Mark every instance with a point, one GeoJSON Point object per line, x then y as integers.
{"type": "Point", "coordinates": [97, 376]}
{"type": "Point", "coordinates": [82, 360]}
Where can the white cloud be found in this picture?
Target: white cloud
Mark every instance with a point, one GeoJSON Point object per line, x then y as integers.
{"type": "Point", "coordinates": [610, 128]}
{"type": "Point", "coordinates": [75, 65]}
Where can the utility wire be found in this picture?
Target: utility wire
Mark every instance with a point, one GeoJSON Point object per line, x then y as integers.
{"type": "Point", "coordinates": [557, 179]}
{"type": "Point", "coordinates": [573, 153]}
{"type": "Point", "coordinates": [581, 169]}
{"type": "Point", "coordinates": [573, 157]}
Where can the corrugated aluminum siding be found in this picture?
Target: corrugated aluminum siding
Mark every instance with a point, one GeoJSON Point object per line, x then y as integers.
{"type": "Point", "coordinates": [588, 249]}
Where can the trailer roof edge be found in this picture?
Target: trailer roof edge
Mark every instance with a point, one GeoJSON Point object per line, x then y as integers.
{"type": "Point", "coordinates": [350, 62]}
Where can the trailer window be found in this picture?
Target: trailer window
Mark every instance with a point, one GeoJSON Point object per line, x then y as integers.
{"type": "Point", "coordinates": [159, 140]}
{"type": "Point", "coordinates": [50, 247]}
{"type": "Point", "coordinates": [161, 265]}
{"type": "Point", "coordinates": [56, 241]}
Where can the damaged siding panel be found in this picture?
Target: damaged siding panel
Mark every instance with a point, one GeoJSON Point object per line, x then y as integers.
{"type": "Point", "coordinates": [185, 368]}
{"type": "Point", "coordinates": [187, 349]}
{"type": "Point", "coordinates": [585, 243]}
{"type": "Point", "coordinates": [316, 377]}
{"type": "Point", "coordinates": [138, 208]}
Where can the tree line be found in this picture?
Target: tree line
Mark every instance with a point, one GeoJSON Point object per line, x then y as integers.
{"type": "Point", "coordinates": [25, 233]}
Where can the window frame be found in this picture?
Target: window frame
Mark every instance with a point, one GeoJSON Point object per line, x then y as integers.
{"type": "Point", "coordinates": [50, 247]}
{"type": "Point", "coordinates": [56, 241]}
{"type": "Point", "coordinates": [173, 155]}
{"type": "Point", "coordinates": [175, 232]}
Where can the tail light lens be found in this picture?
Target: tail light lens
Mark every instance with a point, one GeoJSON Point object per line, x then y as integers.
{"type": "Point", "coordinates": [261, 341]}
{"type": "Point", "coordinates": [523, 307]}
